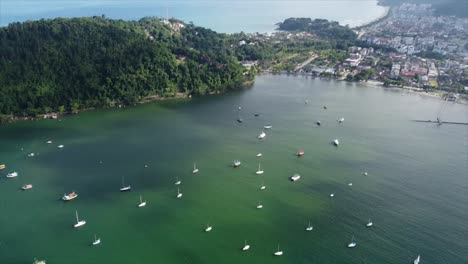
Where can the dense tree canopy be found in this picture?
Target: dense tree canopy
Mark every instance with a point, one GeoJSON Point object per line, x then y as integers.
{"type": "Point", "coordinates": [52, 65]}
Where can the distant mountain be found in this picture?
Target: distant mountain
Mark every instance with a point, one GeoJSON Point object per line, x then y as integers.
{"type": "Point", "coordinates": [442, 7]}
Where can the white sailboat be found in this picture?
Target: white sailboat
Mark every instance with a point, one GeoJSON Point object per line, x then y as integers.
{"type": "Point", "coordinates": [208, 228]}
{"type": "Point", "coordinates": [369, 224]}
{"type": "Point", "coordinates": [78, 222]}
{"type": "Point", "coordinates": [96, 241]}
{"type": "Point", "coordinates": [49, 142]}
{"type": "Point", "coordinates": [141, 204]}
{"type": "Point", "coordinates": [309, 227]}
{"type": "Point", "coordinates": [177, 182]}
{"type": "Point", "coordinates": [295, 177]}
{"type": "Point", "coordinates": [259, 205]}
{"type": "Point", "coordinates": [278, 252]}
{"type": "Point", "coordinates": [246, 246]}
{"type": "Point", "coordinates": [267, 126]}
{"type": "Point", "coordinates": [259, 171]}
{"type": "Point", "coordinates": [341, 120]}
{"type": "Point", "coordinates": [60, 146]}
{"type": "Point", "coordinates": [259, 155]}
{"type": "Point", "coordinates": [416, 261]}
{"type": "Point", "coordinates": [352, 244]}
{"type": "Point", "coordinates": [195, 170]}
{"type": "Point", "coordinates": [365, 173]}
{"type": "Point", "coordinates": [336, 142]}
{"type": "Point", "coordinates": [263, 187]}
{"type": "Point", "coordinates": [179, 194]}
{"type": "Point", "coordinates": [262, 135]}
{"type": "Point", "coordinates": [125, 188]}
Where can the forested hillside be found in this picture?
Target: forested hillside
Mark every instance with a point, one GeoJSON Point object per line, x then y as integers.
{"type": "Point", "coordinates": [71, 64]}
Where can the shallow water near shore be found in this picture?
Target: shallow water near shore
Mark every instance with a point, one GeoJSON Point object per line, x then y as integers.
{"type": "Point", "coordinates": [415, 191]}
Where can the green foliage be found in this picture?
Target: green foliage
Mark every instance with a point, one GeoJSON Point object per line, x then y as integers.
{"type": "Point", "coordinates": [72, 64]}
{"type": "Point", "coordinates": [324, 29]}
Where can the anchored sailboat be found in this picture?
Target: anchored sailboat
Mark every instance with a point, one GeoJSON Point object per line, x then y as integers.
{"type": "Point", "coordinates": [78, 222]}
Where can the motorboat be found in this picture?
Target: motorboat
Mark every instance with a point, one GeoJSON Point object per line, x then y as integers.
{"type": "Point", "coordinates": [259, 155]}
{"type": "Point", "coordinates": [295, 177]}
{"type": "Point", "coordinates": [60, 146]}
{"type": "Point", "coordinates": [336, 142]}
{"type": "Point", "coordinates": [27, 187]}
{"type": "Point", "coordinates": [70, 196]}
{"type": "Point", "coordinates": [341, 120]}
{"type": "Point", "coordinates": [300, 153]}
{"type": "Point", "coordinates": [267, 126]}
{"type": "Point", "coordinates": [236, 163]}
{"type": "Point", "coordinates": [208, 228]}
{"type": "Point", "coordinates": [262, 135]}
{"type": "Point", "coordinates": [12, 175]}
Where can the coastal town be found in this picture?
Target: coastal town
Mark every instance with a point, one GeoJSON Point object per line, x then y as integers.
{"type": "Point", "coordinates": [409, 47]}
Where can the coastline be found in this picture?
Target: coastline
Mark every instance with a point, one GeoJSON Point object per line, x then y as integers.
{"type": "Point", "coordinates": [388, 9]}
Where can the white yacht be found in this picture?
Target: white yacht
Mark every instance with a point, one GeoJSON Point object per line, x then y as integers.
{"type": "Point", "coordinates": [416, 261]}
{"type": "Point", "coordinates": [352, 244]}
{"type": "Point", "coordinates": [96, 241]}
{"type": "Point", "coordinates": [309, 227]}
{"type": "Point", "coordinates": [12, 175]}
{"type": "Point", "coordinates": [179, 194]}
{"type": "Point", "coordinates": [278, 252]}
{"type": "Point", "coordinates": [78, 222]}
{"type": "Point", "coordinates": [208, 228]}
{"type": "Point", "coordinates": [369, 224]}
{"type": "Point", "coordinates": [262, 135]}
{"type": "Point", "coordinates": [141, 204]}
{"type": "Point", "coordinates": [336, 142]}
{"type": "Point", "coordinates": [259, 171]}
{"type": "Point", "coordinates": [295, 177]}
{"type": "Point", "coordinates": [195, 170]}
{"type": "Point", "coordinates": [60, 146]}
{"type": "Point", "coordinates": [246, 246]}
{"type": "Point", "coordinates": [236, 163]}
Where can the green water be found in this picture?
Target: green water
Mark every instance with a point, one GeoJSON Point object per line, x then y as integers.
{"type": "Point", "coordinates": [415, 193]}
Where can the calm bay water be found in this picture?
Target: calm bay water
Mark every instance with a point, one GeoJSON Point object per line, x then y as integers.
{"type": "Point", "coordinates": [223, 16]}
{"type": "Point", "coordinates": [415, 193]}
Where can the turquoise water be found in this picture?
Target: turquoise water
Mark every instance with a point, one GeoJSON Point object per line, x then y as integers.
{"type": "Point", "coordinates": [415, 192]}
{"type": "Point", "coordinates": [223, 16]}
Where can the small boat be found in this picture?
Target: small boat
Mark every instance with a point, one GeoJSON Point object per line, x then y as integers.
{"type": "Point", "coordinates": [70, 196]}
{"type": "Point", "coordinates": [177, 182]}
{"type": "Point", "coordinates": [141, 204]}
{"type": "Point", "coordinates": [125, 188]}
{"type": "Point", "coordinates": [240, 120]}
{"type": "Point", "coordinates": [295, 177]}
{"type": "Point", "coordinates": [365, 173]}
{"type": "Point", "coordinates": [78, 222]}
{"type": "Point", "coordinates": [259, 155]}
{"type": "Point", "coordinates": [27, 187]}
{"type": "Point", "coordinates": [12, 175]}
{"type": "Point", "coordinates": [262, 135]}
{"type": "Point", "coordinates": [2, 166]}
{"type": "Point", "coordinates": [325, 107]}
{"type": "Point", "coordinates": [369, 224]}
{"type": "Point", "coordinates": [256, 114]}
{"type": "Point", "coordinates": [278, 252]}
{"type": "Point", "coordinates": [263, 187]}
{"type": "Point", "coordinates": [179, 194]}
{"type": "Point", "coordinates": [309, 227]}
{"type": "Point", "coordinates": [246, 247]}
{"type": "Point", "coordinates": [49, 142]}
{"type": "Point", "coordinates": [350, 184]}
{"type": "Point", "coordinates": [239, 108]}
{"type": "Point", "coordinates": [300, 153]}
{"type": "Point", "coordinates": [306, 101]}
{"type": "Point", "coordinates": [267, 126]}
{"type": "Point", "coordinates": [336, 142]}
{"type": "Point", "coordinates": [332, 195]}
{"type": "Point", "coordinates": [416, 261]}
{"type": "Point", "coordinates": [259, 171]}
{"type": "Point", "coordinates": [195, 170]}
{"type": "Point", "coordinates": [39, 261]}
{"type": "Point", "coordinates": [60, 146]}
{"type": "Point", "coordinates": [318, 123]}
{"type": "Point", "coordinates": [208, 228]}
{"type": "Point", "coordinates": [236, 163]}
{"type": "Point", "coordinates": [31, 154]}
{"type": "Point", "coordinates": [341, 120]}
{"type": "Point", "coordinates": [96, 241]}
{"type": "Point", "coordinates": [352, 244]}
{"type": "Point", "coordinates": [260, 205]}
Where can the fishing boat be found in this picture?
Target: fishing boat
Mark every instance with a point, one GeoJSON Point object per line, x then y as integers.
{"type": "Point", "coordinates": [179, 194]}
{"type": "Point", "coordinates": [369, 224]}
{"type": "Point", "coordinates": [295, 177]}
{"type": "Point", "coordinates": [177, 182]}
{"type": "Point", "coordinates": [2, 166]}
{"type": "Point", "coordinates": [309, 227]}
{"type": "Point", "coordinates": [12, 175]}
{"type": "Point", "coordinates": [195, 170]}
{"type": "Point", "coordinates": [267, 126]}
{"type": "Point", "coordinates": [27, 187]}
{"type": "Point", "coordinates": [336, 142]}
{"type": "Point", "coordinates": [262, 135]}
{"type": "Point", "coordinates": [352, 244]}
{"type": "Point", "coordinates": [300, 153]}
{"type": "Point", "coordinates": [78, 222]}
{"type": "Point", "coordinates": [278, 252]}
{"type": "Point", "coordinates": [318, 123]}
{"type": "Point", "coordinates": [141, 204]}
{"type": "Point", "coordinates": [416, 261]}
{"type": "Point", "coordinates": [259, 205]}
{"type": "Point", "coordinates": [125, 188]}
{"type": "Point", "coordinates": [236, 163]}
{"type": "Point", "coordinates": [39, 261]}
{"type": "Point", "coordinates": [49, 142]}
{"type": "Point", "coordinates": [96, 241]}
{"type": "Point", "coordinates": [60, 146]}
{"type": "Point", "coordinates": [70, 196]}
{"type": "Point", "coordinates": [259, 171]}
{"type": "Point", "coordinates": [341, 120]}
{"type": "Point", "coordinates": [246, 247]}
{"type": "Point", "coordinates": [259, 155]}
{"type": "Point", "coordinates": [208, 228]}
